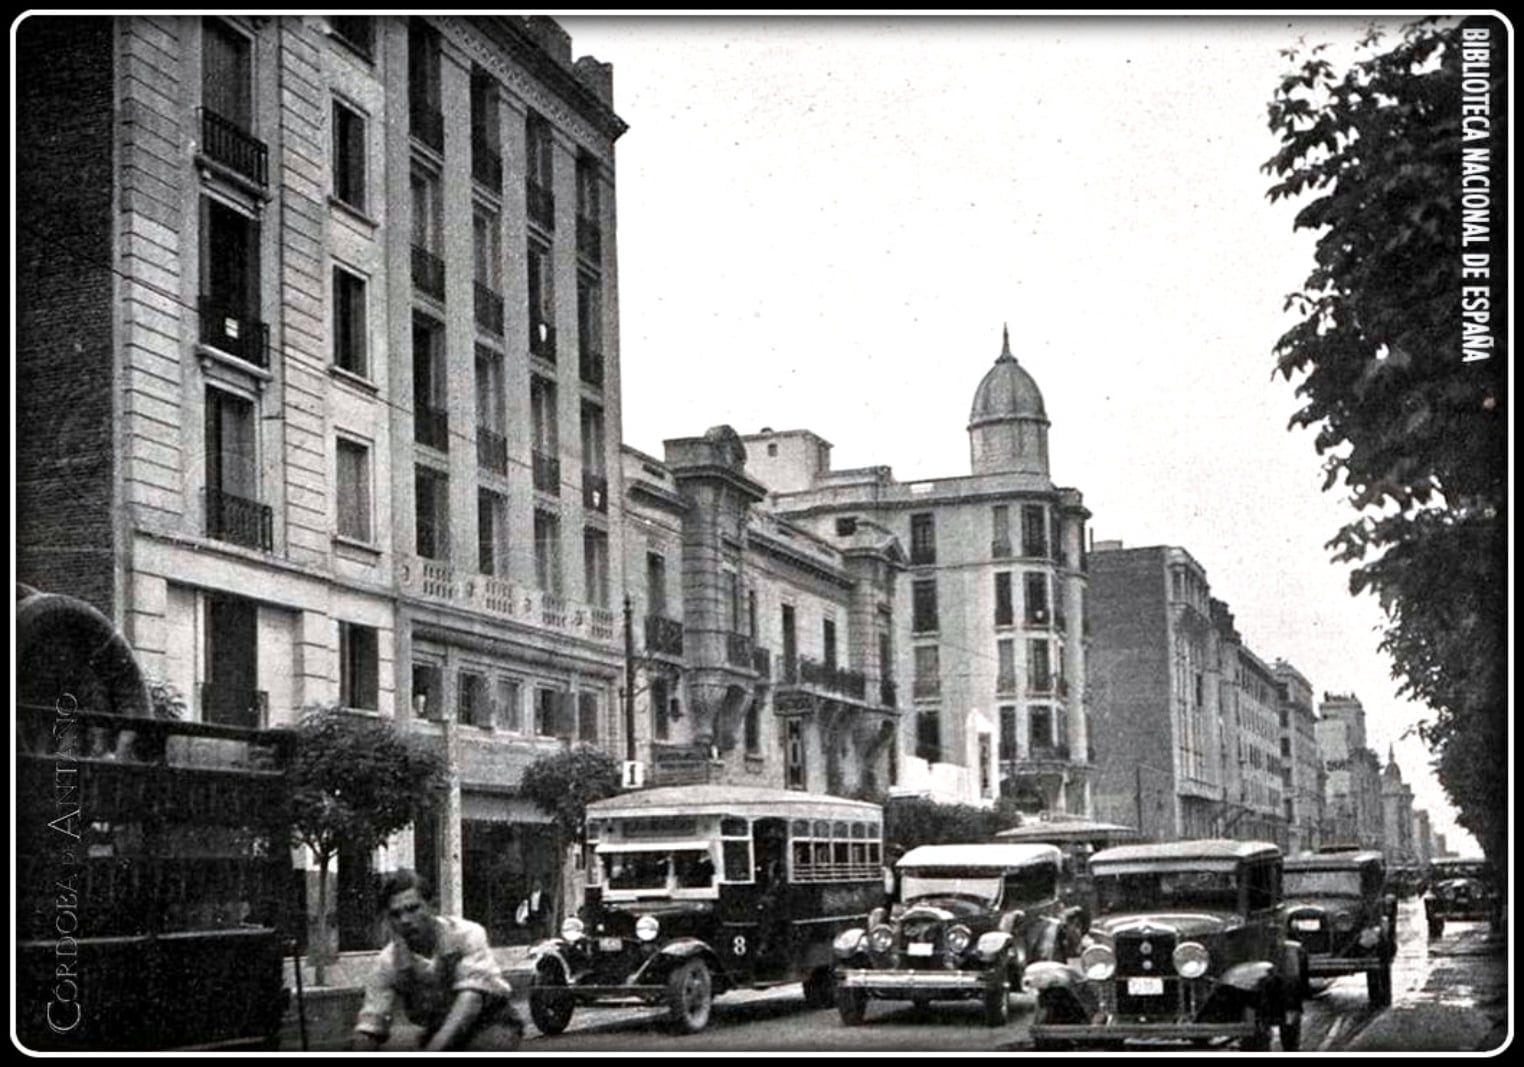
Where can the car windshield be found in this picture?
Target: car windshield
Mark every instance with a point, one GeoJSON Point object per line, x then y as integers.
{"type": "Point", "coordinates": [666, 869]}
{"type": "Point", "coordinates": [919, 883]}
{"type": "Point", "coordinates": [1166, 890]}
{"type": "Point", "coordinates": [1322, 883]}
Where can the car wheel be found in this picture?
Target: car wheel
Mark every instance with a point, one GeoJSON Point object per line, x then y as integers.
{"type": "Point", "coordinates": [852, 1005]}
{"type": "Point", "coordinates": [818, 986]}
{"type": "Point", "coordinates": [1291, 1030]}
{"type": "Point", "coordinates": [1259, 1039]}
{"type": "Point", "coordinates": [690, 995]}
{"type": "Point", "coordinates": [550, 1004]}
{"type": "Point", "coordinates": [997, 1004]}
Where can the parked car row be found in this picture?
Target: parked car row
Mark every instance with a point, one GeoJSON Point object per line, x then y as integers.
{"type": "Point", "coordinates": [693, 891]}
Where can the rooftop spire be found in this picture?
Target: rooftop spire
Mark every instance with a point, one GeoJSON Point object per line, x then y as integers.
{"type": "Point", "coordinates": [1005, 341]}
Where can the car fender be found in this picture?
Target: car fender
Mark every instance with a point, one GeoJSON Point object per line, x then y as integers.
{"type": "Point", "coordinates": [1050, 974]}
{"type": "Point", "coordinates": [553, 954]}
{"type": "Point", "coordinates": [1248, 977]}
{"type": "Point", "coordinates": [673, 953]}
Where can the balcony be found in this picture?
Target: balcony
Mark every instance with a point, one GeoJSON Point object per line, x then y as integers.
{"type": "Point", "coordinates": [431, 426]}
{"type": "Point", "coordinates": [1041, 685]}
{"type": "Point", "coordinates": [837, 680]}
{"type": "Point", "coordinates": [428, 273]}
{"type": "Point", "coordinates": [238, 521]}
{"type": "Point", "coordinates": [438, 578]}
{"type": "Point", "coordinates": [489, 309]}
{"type": "Point", "coordinates": [541, 203]}
{"type": "Point", "coordinates": [738, 650]}
{"type": "Point", "coordinates": [929, 751]}
{"type": "Point", "coordinates": [1000, 548]}
{"type": "Point", "coordinates": [553, 610]}
{"type": "Point", "coordinates": [762, 662]}
{"type": "Point", "coordinates": [595, 492]}
{"type": "Point", "coordinates": [547, 472]}
{"type": "Point", "coordinates": [232, 146]}
{"type": "Point", "coordinates": [542, 340]}
{"type": "Point", "coordinates": [234, 706]}
{"type": "Point", "coordinates": [664, 636]}
{"type": "Point", "coordinates": [589, 240]}
{"type": "Point", "coordinates": [888, 693]}
{"type": "Point", "coordinates": [491, 451]}
{"type": "Point", "coordinates": [1033, 758]}
{"type": "Point", "coordinates": [1005, 684]}
{"type": "Point", "coordinates": [233, 331]}
{"type": "Point", "coordinates": [600, 623]}
{"type": "Point", "coordinates": [1039, 618]}
{"type": "Point", "coordinates": [926, 688]}
{"type": "Point", "coordinates": [590, 363]}
{"type": "Point", "coordinates": [486, 164]}
{"type": "Point", "coordinates": [426, 124]}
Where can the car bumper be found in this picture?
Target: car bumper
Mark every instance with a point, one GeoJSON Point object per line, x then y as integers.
{"type": "Point", "coordinates": [913, 983]}
{"type": "Point", "coordinates": [1319, 966]}
{"type": "Point", "coordinates": [1121, 1031]}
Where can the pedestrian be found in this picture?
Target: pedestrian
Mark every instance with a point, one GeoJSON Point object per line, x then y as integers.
{"type": "Point", "coordinates": [440, 971]}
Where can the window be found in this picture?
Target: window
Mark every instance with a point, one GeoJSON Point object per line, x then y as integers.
{"type": "Point", "coordinates": [508, 712]}
{"type": "Point", "coordinates": [348, 155]}
{"type": "Point", "coordinates": [1008, 749]}
{"type": "Point", "coordinates": [230, 299]}
{"type": "Point", "coordinates": [923, 606]}
{"type": "Point", "coordinates": [1037, 613]}
{"type": "Point", "coordinates": [590, 328]}
{"type": "Point", "coordinates": [491, 417]}
{"type": "Point", "coordinates": [353, 490]}
{"type": "Point", "coordinates": [986, 776]}
{"type": "Point", "coordinates": [486, 155]}
{"type": "Point", "coordinates": [751, 614]}
{"type": "Point", "coordinates": [426, 121]}
{"type": "Point", "coordinates": [1039, 730]}
{"type": "Point", "coordinates": [547, 712]}
{"type": "Point", "coordinates": [595, 486]}
{"type": "Point", "coordinates": [751, 730]}
{"type": "Point", "coordinates": [428, 691]}
{"type": "Point", "coordinates": [475, 708]}
{"type": "Point", "coordinates": [431, 417]}
{"type": "Point", "coordinates": [1005, 655]}
{"type": "Point", "coordinates": [542, 302]}
{"type": "Point", "coordinates": [359, 666]}
{"type": "Point", "coordinates": [547, 551]}
{"type": "Point", "coordinates": [793, 754]}
{"type": "Point", "coordinates": [928, 680]}
{"type": "Point", "coordinates": [928, 735]}
{"type": "Point", "coordinates": [828, 643]}
{"type": "Point", "coordinates": [660, 708]}
{"type": "Point", "coordinates": [1000, 537]}
{"type": "Point", "coordinates": [349, 323]}
{"type": "Point", "coordinates": [595, 556]}
{"type": "Point", "coordinates": [546, 434]}
{"type": "Point", "coordinates": [491, 532]}
{"type": "Point", "coordinates": [846, 526]}
{"type": "Point", "coordinates": [357, 31]}
{"type": "Point", "coordinates": [485, 247]}
{"type": "Point", "coordinates": [428, 246]}
{"type": "Point", "coordinates": [1005, 614]}
{"type": "Point", "coordinates": [226, 74]}
{"type": "Point", "coordinates": [589, 213]}
{"type": "Point", "coordinates": [923, 539]}
{"type": "Point", "coordinates": [790, 642]}
{"type": "Point", "coordinates": [656, 584]}
{"type": "Point", "coordinates": [1039, 667]}
{"type": "Point", "coordinates": [233, 511]}
{"type": "Point", "coordinates": [432, 492]}
{"type": "Point", "coordinates": [732, 605]}
{"type": "Point", "coordinates": [1034, 531]}
{"type": "Point", "coordinates": [587, 716]}
{"type": "Point", "coordinates": [539, 172]}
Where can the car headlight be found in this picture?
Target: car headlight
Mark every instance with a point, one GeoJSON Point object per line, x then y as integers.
{"type": "Point", "coordinates": [572, 928]}
{"type": "Point", "coordinates": [881, 939]}
{"type": "Point", "coordinates": [1098, 962]}
{"type": "Point", "coordinates": [1191, 959]}
{"type": "Point", "coordinates": [1369, 937]}
{"type": "Point", "coordinates": [957, 940]}
{"type": "Point", "coordinates": [848, 942]}
{"type": "Point", "coordinates": [1344, 922]}
{"type": "Point", "coordinates": [646, 927]}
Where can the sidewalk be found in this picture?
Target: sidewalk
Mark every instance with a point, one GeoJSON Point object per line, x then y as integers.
{"type": "Point", "coordinates": [1463, 1006]}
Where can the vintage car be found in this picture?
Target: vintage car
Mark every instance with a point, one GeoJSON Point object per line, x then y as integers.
{"type": "Point", "coordinates": [1187, 943]}
{"type": "Point", "coordinates": [1460, 889]}
{"type": "Point", "coordinates": [1339, 908]}
{"type": "Point", "coordinates": [966, 920]}
{"type": "Point", "coordinates": [696, 890]}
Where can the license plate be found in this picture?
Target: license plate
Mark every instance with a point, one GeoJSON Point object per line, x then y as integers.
{"type": "Point", "coordinates": [1306, 924]}
{"type": "Point", "coordinates": [919, 948]}
{"type": "Point", "coordinates": [1145, 987]}
{"type": "Point", "coordinates": [610, 944]}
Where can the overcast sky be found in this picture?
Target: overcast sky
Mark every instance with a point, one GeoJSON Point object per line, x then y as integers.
{"type": "Point", "coordinates": [824, 223]}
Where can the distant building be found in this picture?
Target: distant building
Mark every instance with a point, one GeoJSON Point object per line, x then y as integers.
{"type": "Point", "coordinates": [1423, 837]}
{"type": "Point", "coordinates": [1396, 815]}
{"type": "Point", "coordinates": [1354, 773]}
{"type": "Point", "coordinates": [988, 641]}
{"type": "Point", "coordinates": [1301, 768]}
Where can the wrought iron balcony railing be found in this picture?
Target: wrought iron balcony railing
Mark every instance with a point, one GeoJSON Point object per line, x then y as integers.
{"type": "Point", "coordinates": [1039, 685]}
{"type": "Point", "coordinates": [489, 309]}
{"type": "Point", "coordinates": [664, 636]}
{"type": "Point", "coordinates": [237, 520]}
{"type": "Point", "coordinates": [428, 273]}
{"type": "Point", "coordinates": [491, 450]}
{"type": "Point", "coordinates": [431, 426]}
{"type": "Point", "coordinates": [848, 683]}
{"type": "Point", "coordinates": [738, 650]}
{"type": "Point", "coordinates": [234, 331]}
{"type": "Point", "coordinates": [234, 147]}
{"type": "Point", "coordinates": [547, 472]}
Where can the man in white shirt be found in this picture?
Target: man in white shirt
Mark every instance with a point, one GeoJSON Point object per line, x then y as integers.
{"type": "Point", "coordinates": [441, 972]}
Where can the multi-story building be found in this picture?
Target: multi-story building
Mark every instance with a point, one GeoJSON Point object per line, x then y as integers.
{"type": "Point", "coordinates": [1423, 837]}
{"type": "Point", "coordinates": [1353, 773]}
{"type": "Point", "coordinates": [311, 306]}
{"type": "Point", "coordinates": [1396, 815]}
{"type": "Point", "coordinates": [1301, 768]}
{"type": "Point", "coordinates": [766, 651]}
{"type": "Point", "coordinates": [989, 636]}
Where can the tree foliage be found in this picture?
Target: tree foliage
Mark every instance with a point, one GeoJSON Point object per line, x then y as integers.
{"type": "Point", "coordinates": [1414, 432]}
{"type": "Point", "coordinates": [562, 784]}
{"type": "Point", "coordinates": [912, 821]}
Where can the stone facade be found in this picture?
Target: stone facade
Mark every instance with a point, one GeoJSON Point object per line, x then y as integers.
{"type": "Point", "coordinates": [1354, 812]}
{"type": "Point", "coordinates": [1301, 768]}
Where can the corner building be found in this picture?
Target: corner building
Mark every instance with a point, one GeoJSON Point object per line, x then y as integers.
{"type": "Point", "coordinates": [318, 376]}
{"type": "Point", "coordinates": [988, 643]}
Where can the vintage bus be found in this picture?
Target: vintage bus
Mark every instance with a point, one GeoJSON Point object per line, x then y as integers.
{"type": "Point", "coordinates": [695, 890]}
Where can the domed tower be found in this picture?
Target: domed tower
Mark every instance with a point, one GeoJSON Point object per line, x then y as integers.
{"type": "Point", "coordinates": [1007, 426]}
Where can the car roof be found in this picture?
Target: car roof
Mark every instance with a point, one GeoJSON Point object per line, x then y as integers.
{"type": "Point", "coordinates": [1331, 861]}
{"type": "Point", "coordinates": [1066, 830]}
{"type": "Point", "coordinates": [1205, 849]}
{"type": "Point", "coordinates": [979, 855]}
{"type": "Point", "coordinates": [741, 800]}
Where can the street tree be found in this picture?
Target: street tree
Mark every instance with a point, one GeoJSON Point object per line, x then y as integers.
{"type": "Point", "coordinates": [562, 784]}
{"type": "Point", "coordinates": [354, 780]}
{"type": "Point", "coordinates": [1409, 422]}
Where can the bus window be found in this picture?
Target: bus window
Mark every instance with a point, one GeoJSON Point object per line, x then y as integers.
{"type": "Point", "coordinates": [822, 828]}
{"type": "Point", "coordinates": [693, 869]}
{"type": "Point", "coordinates": [733, 827]}
{"type": "Point", "coordinates": [737, 861]}
{"type": "Point", "coordinates": [839, 852]}
{"type": "Point", "coordinates": [859, 829]}
{"type": "Point", "coordinates": [822, 853]}
{"type": "Point", "coordinates": [801, 828]}
{"type": "Point", "coordinates": [801, 857]}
